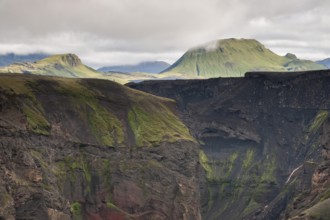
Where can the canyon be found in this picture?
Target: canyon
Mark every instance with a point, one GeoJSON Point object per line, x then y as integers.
{"type": "Point", "coordinates": [264, 140]}
{"type": "Point", "coordinates": [253, 147]}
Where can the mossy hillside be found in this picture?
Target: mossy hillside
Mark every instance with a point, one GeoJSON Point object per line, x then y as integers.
{"type": "Point", "coordinates": [16, 85]}
{"type": "Point", "coordinates": [108, 112]}
{"type": "Point", "coordinates": [153, 123]}
{"type": "Point", "coordinates": [233, 58]}
{"type": "Point", "coordinates": [31, 108]}
{"type": "Point", "coordinates": [103, 123]}
{"type": "Point", "coordinates": [37, 122]}
{"type": "Point", "coordinates": [105, 126]}
{"type": "Point", "coordinates": [151, 119]}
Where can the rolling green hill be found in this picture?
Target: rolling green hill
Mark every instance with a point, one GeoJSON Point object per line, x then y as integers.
{"type": "Point", "coordinates": [233, 58]}
{"type": "Point", "coordinates": [69, 65]}
{"type": "Point", "coordinates": [64, 65]}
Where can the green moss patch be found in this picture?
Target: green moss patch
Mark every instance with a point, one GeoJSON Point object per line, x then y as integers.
{"type": "Point", "coordinates": [76, 211]}
{"type": "Point", "coordinates": [37, 122]}
{"type": "Point", "coordinates": [105, 126]}
{"type": "Point", "coordinates": [248, 159]}
{"type": "Point", "coordinates": [204, 161]}
{"type": "Point", "coordinates": [153, 124]}
{"type": "Point", "coordinates": [318, 121]}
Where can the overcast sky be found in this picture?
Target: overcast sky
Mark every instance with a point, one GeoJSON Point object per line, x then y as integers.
{"type": "Point", "coordinates": [108, 32]}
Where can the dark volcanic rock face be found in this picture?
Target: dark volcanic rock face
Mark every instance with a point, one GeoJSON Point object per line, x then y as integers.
{"type": "Point", "coordinates": [264, 141]}
{"type": "Point", "coordinates": [83, 149]}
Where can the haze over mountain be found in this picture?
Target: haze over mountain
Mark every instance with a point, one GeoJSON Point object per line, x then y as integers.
{"type": "Point", "coordinates": [145, 67]}
{"type": "Point", "coordinates": [234, 57]}
{"type": "Point", "coordinates": [10, 58]}
{"type": "Point", "coordinates": [325, 62]}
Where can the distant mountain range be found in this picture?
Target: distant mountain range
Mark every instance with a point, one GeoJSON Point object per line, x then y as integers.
{"type": "Point", "coordinates": [11, 58]}
{"type": "Point", "coordinates": [235, 57]}
{"type": "Point", "coordinates": [70, 65]}
{"type": "Point", "coordinates": [222, 58]}
{"type": "Point", "coordinates": [145, 67]}
{"type": "Point", "coordinates": [325, 62]}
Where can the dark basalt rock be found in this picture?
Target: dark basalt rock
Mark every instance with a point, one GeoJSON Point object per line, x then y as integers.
{"type": "Point", "coordinates": [264, 136]}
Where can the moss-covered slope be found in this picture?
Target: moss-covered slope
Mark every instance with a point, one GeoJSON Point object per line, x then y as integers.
{"type": "Point", "coordinates": [106, 110]}
{"type": "Point", "coordinates": [93, 149]}
{"type": "Point", "coordinates": [233, 58]}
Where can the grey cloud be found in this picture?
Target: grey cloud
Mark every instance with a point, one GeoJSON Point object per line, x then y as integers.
{"type": "Point", "coordinates": [126, 31]}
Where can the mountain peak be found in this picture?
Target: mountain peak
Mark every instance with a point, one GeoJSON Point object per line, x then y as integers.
{"type": "Point", "coordinates": [69, 59]}
{"type": "Point", "coordinates": [291, 56]}
{"type": "Point", "coordinates": [63, 65]}
{"type": "Point", "coordinates": [234, 57]}
{"type": "Point", "coordinates": [227, 45]}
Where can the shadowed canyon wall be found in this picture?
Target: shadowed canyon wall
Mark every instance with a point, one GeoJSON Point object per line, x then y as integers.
{"type": "Point", "coordinates": [264, 139]}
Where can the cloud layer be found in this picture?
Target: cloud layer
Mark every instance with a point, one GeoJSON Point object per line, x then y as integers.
{"type": "Point", "coordinates": [104, 32]}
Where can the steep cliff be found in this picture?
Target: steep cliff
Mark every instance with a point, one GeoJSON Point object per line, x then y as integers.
{"type": "Point", "coordinates": [265, 142]}
{"type": "Point", "coordinates": [93, 149]}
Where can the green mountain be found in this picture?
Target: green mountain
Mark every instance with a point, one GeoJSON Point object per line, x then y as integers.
{"type": "Point", "coordinates": [235, 57]}
{"type": "Point", "coordinates": [69, 65]}
{"type": "Point", "coordinates": [64, 65]}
